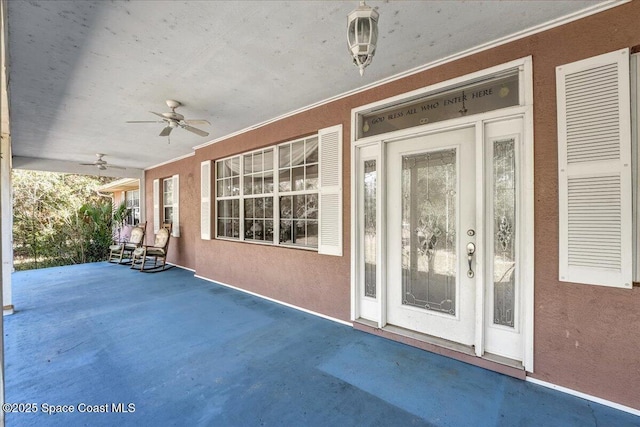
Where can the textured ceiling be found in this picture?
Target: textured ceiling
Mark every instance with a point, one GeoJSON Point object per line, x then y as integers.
{"type": "Point", "coordinates": [80, 69]}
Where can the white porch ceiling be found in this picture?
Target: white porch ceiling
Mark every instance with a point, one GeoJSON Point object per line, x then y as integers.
{"type": "Point", "coordinates": [80, 69]}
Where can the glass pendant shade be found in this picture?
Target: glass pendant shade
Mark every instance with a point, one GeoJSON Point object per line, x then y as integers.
{"type": "Point", "coordinates": [362, 35]}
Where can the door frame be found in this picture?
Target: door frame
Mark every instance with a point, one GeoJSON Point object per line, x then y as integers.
{"type": "Point", "coordinates": [526, 246]}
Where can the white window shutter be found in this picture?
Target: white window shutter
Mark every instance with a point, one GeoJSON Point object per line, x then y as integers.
{"type": "Point", "coordinates": [175, 227]}
{"type": "Point", "coordinates": [205, 200]}
{"type": "Point", "coordinates": [330, 191]}
{"type": "Point", "coordinates": [594, 171]}
{"type": "Point", "coordinates": [156, 205]}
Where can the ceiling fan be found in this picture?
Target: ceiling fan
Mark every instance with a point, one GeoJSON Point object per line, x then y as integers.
{"type": "Point", "coordinates": [174, 120]}
{"type": "Point", "coordinates": [101, 163]}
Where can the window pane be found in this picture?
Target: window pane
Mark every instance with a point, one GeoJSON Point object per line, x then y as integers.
{"type": "Point", "coordinates": [311, 180]}
{"type": "Point", "coordinates": [219, 191]}
{"type": "Point", "coordinates": [248, 229]}
{"type": "Point", "coordinates": [268, 207]}
{"type": "Point", "coordinates": [312, 206]}
{"type": "Point", "coordinates": [285, 231]}
{"type": "Point", "coordinates": [248, 163]}
{"type": "Point", "coordinates": [298, 178]}
{"type": "Point", "coordinates": [299, 207]}
{"type": "Point", "coordinates": [220, 169]}
{"type": "Point", "coordinates": [257, 184]}
{"type": "Point", "coordinates": [312, 234]}
{"type": "Point", "coordinates": [285, 207]}
{"type": "Point", "coordinates": [235, 166]}
{"type": "Point", "coordinates": [248, 185]}
{"type": "Point", "coordinates": [268, 231]}
{"type": "Point", "coordinates": [227, 168]}
{"type": "Point", "coordinates": [235, 208]}
{"type": "Point", "coordinates": [268, 182]}
{"type": "Point", "coordinates": [257, 162]}
{"type": "Point", "coordinates": [259, 207]}
{"type": "Point", "coordinates": [222, 228]}
{"type": "Point", "coordinates": [235, 228]}
{"type": "Point", "coordinates": [168, 214]}
{"type": "Point", "coordinates": [268, 160]}
{"type": "Point", "coordinates": [297, 153]}
{"type": "Point", "coordinates": [311, 152]}
{"type": "Point", "coordinates": [285, 180]}
{"type": "Point", "coordinates": [248, 208]}
{"type": "Point", "coordinates": [285, 156]}
{"type": "Point", "coordinates": [235, 186]}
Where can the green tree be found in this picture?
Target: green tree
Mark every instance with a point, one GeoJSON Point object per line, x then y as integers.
{"type": "Point", "coordinates": [59, 219]}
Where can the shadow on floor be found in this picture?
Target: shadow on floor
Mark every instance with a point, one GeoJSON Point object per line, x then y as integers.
{"type": "Point", "coordinates": [128, 349]}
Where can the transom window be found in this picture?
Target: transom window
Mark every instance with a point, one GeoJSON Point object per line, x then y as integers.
{"type": "Point", "coordinates": [270, 195]}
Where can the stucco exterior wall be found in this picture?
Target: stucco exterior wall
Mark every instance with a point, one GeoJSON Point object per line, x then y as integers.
{"type": "Point", "coordinates": [587, 338]}
{"type": "Point", "coordinates": [181, 249]}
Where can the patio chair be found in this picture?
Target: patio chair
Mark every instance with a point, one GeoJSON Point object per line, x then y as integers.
{"type": "Point", "coordinates": [124, 250]}
{"type": "Point", "coordinates": [157, 251]}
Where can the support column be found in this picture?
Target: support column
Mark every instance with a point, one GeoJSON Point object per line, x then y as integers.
{"type": "Point", "coordinates": [6, 210]}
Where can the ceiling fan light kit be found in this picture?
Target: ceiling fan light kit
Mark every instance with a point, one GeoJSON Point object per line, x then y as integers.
{"type": "Point", "coordinates": [174, 120]}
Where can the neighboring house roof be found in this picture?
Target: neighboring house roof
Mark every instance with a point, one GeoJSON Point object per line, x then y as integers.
{"type": "Point", "coordinates": [124, 184]}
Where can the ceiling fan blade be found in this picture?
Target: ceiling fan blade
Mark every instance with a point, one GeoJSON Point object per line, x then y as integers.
{"type": "Point", "coordinates": [166, 131]}
{"type": "Point", "coordinates": [197, 122]}
{"type": "Point", "coordinates": [114, 167]}
{"type": "Point", "coordinates": [194, 130]}
{"type": "Point", "coordinates": [144, 121]}
{"type": "Point", "coordinates": [87, 164]}
{"type": "Point", "coordinates": [158, 114]}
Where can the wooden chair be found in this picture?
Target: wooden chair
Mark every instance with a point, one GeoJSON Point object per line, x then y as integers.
{"type": "Point", "coordinates": [157, 251]}
{"type": "Point", "coordinates": [125, 249]}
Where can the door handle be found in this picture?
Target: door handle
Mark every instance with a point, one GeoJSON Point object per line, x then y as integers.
{"type": "Point", "coordinates": [471, 249]}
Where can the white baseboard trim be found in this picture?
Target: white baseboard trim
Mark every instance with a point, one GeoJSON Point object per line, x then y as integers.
{"type": "Point", "coordinates": [180, 266]}
{"type": "Point", "coordinates": [324, 316]}
{"type": "Point", "coordinates": [585, 396]}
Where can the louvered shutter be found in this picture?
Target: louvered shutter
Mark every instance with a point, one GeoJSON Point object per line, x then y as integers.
{"type": "Point", "coordinates": [175, 227]}
{"type": "Point", "coordinates": [594, 166]}
{"type": "Point", "coordinates": [205, 200]}
{"type": "Point", "coordinates": [330, 191]}
{"type": "Point", "coordinates": [156, 206]}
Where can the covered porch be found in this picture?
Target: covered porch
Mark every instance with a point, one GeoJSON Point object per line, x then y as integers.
{"type": "Point", "coordinates": [185, 351]}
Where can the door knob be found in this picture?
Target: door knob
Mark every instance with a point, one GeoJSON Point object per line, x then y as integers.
{"type": "Point", "coordinates": [471, 249]}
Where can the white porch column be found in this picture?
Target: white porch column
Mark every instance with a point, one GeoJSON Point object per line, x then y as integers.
{"type": "Point", "coordinates": [6, 210]}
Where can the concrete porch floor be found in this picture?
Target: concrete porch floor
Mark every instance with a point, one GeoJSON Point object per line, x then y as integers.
{"type": "Point", "coordinates": [187, 352]}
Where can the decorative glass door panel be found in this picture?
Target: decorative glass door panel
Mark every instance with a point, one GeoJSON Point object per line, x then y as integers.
{"type": "Point", "coordinates": [429, 259]}
{"type": "Point", "coordinates": [431, 213]}
{"type": "Point", "coordinates": [503, 313]}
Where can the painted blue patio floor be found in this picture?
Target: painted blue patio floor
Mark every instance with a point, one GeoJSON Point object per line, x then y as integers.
{"type": "Point", "coordinates": [187, 352]}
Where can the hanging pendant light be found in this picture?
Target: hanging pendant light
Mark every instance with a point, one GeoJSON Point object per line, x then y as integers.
{"type": "Point", "coordinates": [362, 35]}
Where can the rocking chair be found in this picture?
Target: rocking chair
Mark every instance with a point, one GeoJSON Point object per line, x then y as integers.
{"type": "Point", "coordinates": [125, 249]}
{"type": "Point", "coordinates": [157, 251]}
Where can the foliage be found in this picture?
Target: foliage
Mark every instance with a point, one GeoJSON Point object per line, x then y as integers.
{"type": "Point", "coordinates": [59, 219]}
{"type": "Point", "coordinates": [120, 215]}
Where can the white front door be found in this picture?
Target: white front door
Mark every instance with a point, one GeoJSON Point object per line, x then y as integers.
{"type": "Point", "coordinates": [430, 226]}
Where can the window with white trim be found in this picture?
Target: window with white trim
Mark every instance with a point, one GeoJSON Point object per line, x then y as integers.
{"type": "Point", "coordinates": [298, 192]}
{"type": "Point", "coordinates": [132, 200]}
{"type": "Point", "coordinates": [166, 205]}
{"type": "Point", "coordinates": [277, 199]}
